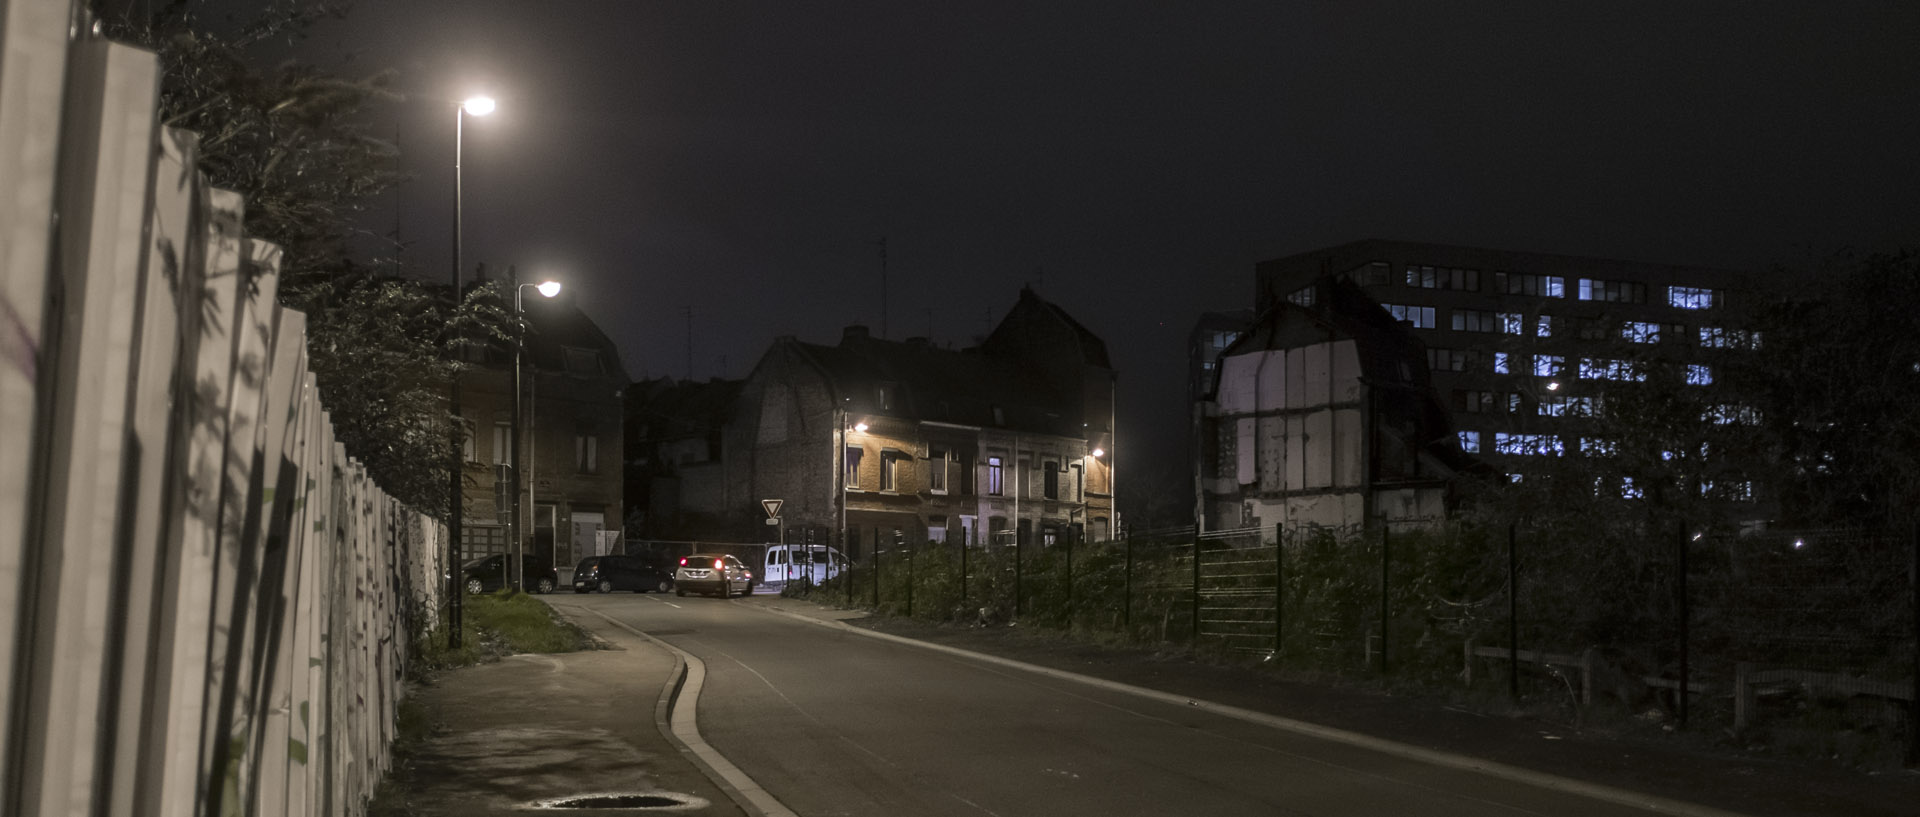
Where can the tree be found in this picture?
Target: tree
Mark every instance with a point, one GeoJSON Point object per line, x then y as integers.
{"type": "Point", "coordinates": [1838, 379]}
{"type": "Point", "coordinates": [290, 140]}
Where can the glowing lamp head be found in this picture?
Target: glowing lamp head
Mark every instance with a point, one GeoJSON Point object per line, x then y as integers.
{"type": "Point", "coordinates": [1099, 452]}
{"type": "Point", "coordinates": [478, 106]}
{"type": "Point", "coordinates": [548, 288]}
{"type": "Point", "coordinates": [860, 427]}
{"type": "Point", "coordinates": [1553, 385]}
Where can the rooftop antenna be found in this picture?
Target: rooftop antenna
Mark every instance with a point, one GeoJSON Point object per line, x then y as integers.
{"type": "Point", "coordinates": [883, 287]}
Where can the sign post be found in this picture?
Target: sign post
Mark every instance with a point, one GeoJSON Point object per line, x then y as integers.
{"type": "Point", "coordinates": [772, 507]}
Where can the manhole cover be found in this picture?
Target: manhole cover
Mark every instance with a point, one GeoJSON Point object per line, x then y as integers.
{"type": "Point", "coordinates": [660, 801]}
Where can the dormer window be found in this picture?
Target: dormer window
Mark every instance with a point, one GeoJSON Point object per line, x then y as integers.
{"type": "Point", "coordinates": [885, 395]}
{"type": "Point", "coordinates": [583, 361]}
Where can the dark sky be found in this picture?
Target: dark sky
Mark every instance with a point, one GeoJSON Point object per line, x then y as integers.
{"type": "Point", "coordinates": [1131, 160]}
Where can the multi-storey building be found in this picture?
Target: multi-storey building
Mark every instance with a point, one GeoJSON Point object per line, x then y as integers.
{"type": "Point", "coordinates": [875, 441]}
{"type": "Point", "coordinates": [674, 440]}
{"type": "Point", "coordinates": [571, 438]}
{"type": "Point", "coordinates": [1522, 346]}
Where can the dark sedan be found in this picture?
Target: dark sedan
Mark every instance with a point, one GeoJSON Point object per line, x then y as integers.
{"type": "Point", "coordinates": [609, 573]}
{"type": "Point", "coordinates": [488, 573]}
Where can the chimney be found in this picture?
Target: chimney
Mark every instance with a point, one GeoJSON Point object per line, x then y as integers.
{"type": "Point", "coordinates": [854, 333]}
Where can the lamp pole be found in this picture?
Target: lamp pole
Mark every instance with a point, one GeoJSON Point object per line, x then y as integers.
{"type": "Point", "coordinates": [478, 106]}
{"type": "Point", "coordinates": [546, 289]}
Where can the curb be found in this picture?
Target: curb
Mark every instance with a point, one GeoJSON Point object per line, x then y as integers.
{"type": "Point", "coordinates": [676, 720]}
{"type": "Point", "coordinates": [1595, 791]}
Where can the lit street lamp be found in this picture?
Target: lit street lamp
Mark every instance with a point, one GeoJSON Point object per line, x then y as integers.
{"type": "Point", "coordinates": [547, 289]}
{"type": "Point", "coordinates": [478, 106]}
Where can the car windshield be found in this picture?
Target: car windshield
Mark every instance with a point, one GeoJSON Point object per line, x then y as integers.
{"type": "Point", "coordinates": [588, 564]}
{"type": "Point", "coordinates": [476, 563]}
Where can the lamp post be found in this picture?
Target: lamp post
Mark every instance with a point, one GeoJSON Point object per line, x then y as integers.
{"type": "Point", "coordinates": [478, 106]}
{"type": "Point", "coordinates": [547, 289]}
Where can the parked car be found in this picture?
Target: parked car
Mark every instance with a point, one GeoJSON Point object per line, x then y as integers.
{"type": "Point", "coordinates": [488, 573]}
{"type": "Point", "coordinates": [788, 563]}
{"type": "Point", "coordinates": [609, 573]}
{"type": "Point", "coordinates": [712, 573]}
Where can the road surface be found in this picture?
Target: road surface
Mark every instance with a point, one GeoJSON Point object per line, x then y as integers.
{"type": "Point", "coordinates": [831, 722]}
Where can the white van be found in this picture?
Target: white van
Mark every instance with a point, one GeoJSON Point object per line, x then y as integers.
{"type": "Point", "coordinates": [785, 563]}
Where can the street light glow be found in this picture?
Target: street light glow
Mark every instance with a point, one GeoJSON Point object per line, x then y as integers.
{"type": "Point", "coordinates": [548, 288]}
{"type": "Point", "coordinates": [860, 427]}
{"type": "Point", "coordinates": [478, 105]}
{"type": "Point", "coordinates": [1099, 452]}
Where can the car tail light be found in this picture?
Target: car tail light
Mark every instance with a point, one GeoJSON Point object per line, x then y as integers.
{"type": "Point", "coordinates": [718, 564]}
{"type": "Point", "coordinates": [683, 562]}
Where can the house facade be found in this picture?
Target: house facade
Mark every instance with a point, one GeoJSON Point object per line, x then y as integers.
{"type": "Point", "coordinates": [875, 442]}
{"type": "Point", "coordinates": [1321, 415]}
{"type": "Point", "coordinates": [571, 438]}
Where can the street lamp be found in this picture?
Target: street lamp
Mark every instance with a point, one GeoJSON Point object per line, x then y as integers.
{"type": "Point", "coordinates": [547, 289]}
{"type": "Point", "coordinates": [477, 106]}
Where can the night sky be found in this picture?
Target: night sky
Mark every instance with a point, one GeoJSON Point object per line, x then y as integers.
{"type": "Point", "coordinates": [1129, 160]}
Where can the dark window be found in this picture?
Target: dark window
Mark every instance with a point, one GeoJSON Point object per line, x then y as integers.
{"type": "Point", "coordinates": [1052, 480]}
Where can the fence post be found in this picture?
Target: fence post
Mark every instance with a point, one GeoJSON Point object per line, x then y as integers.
{"type": "Point", "coordinates": [964, 547]}
{"type": "Point", "coordinates": [1126, 592]}
{"type": "Point", "coordinates": [1513, 615]}
{"type": "Point", "coordinates": [1069, 581]}
{"type": "Point", "coordinates": [1913, 705]}
{"type": "Point", "coordinates": [1279, 585]}
{"type": "Point", "coordinates": [1017, 607]}
{"type": "Point", "coordinates": [1682, 588]}
{"type": "Point", "coordinates": [1196, 588]}
{"type": "Point", "coordinates": [1386, 546]}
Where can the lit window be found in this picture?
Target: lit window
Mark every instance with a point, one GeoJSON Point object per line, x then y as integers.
{"type": "Point", "coordinates": [937, 472]}
{"type": "Point", "coordinates": [1598, 447]}
{"type": "Point", "coordinates": [1628, 490]}
{"type": "Point", "coordinates": [1690, 297]}
{"type": "Point", "coordinates": [853, 467]}
{"type": "Point", "coordinates": [1470, 442]}
{"type": "Point", "coordinates": [1731, 413]}
{"type": "Point", "coordinates": [994, 473]}
{"type": "Point", "coordinates": [1548, 365]}
{"type": "Point", "coordinates": [1503, 362]}
{"type": "Point", "coordinates": [1603, 369]}
{"type": "Point", "coordinates": [1535, 444]}
{"type": "Point", "coordinates": [1422, 317]}
{"type": "Point", "coordinates": [1513, 323]}
{"type": "Point", "coordinates": [1613, 291]}
{"type": "Point", "coordinates": [1640, 332]}
{"type": "Point", "coordinates": [1699, 374]}
{"type": "Point", "coordinates": [1543, 327]}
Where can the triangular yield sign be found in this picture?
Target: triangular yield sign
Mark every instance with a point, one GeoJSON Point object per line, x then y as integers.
{"type": "Point", "coordinates": [772, 506]}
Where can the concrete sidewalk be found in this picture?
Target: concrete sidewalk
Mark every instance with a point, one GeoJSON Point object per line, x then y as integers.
{"type": "Point", "coordinates": [534, 727]}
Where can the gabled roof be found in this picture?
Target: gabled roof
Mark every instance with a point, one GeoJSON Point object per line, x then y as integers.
{"type": "Point", "coordinates": [940, 385]}
{"type": "Point", "coordinates": [1032, 308]}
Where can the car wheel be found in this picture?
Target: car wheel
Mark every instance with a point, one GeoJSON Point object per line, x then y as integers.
{"type": "Point", "coordinates": [749, 588]}
{"type": "Point", "coordinates": [665, 585]}
{"type": "Point", "coordinates": [606, 586]}
{"type": "Point", "coordinates": [475, 588]}
{"type": "Point", "coordinates": [544, 586]}
{"type": "Point", "coordinates": [726, 590]}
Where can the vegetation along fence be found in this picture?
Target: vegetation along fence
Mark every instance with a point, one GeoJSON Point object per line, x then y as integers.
{"type": "Point", "coordinates": [209, 603]}
{"type": "Point", "coordinates": [1800, 634]}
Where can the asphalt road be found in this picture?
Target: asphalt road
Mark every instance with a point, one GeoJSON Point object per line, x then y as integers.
{"type": "Point", "coordinates": [837, 723]}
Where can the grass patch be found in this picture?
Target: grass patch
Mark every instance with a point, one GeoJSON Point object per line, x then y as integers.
{"type": "Point", "coordinates": [497, 625]}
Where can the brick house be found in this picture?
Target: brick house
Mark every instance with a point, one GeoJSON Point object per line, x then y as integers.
{"type": "Point", "coordinates": [872, 440]}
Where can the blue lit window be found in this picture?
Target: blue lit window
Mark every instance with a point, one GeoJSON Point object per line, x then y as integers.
{"type": "Point", "coordinates": [1699, 374]}
{"type": "Point", "coordinates": [1690, 297]}
{"type": "Point", "coordinates": [1470, 442]}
